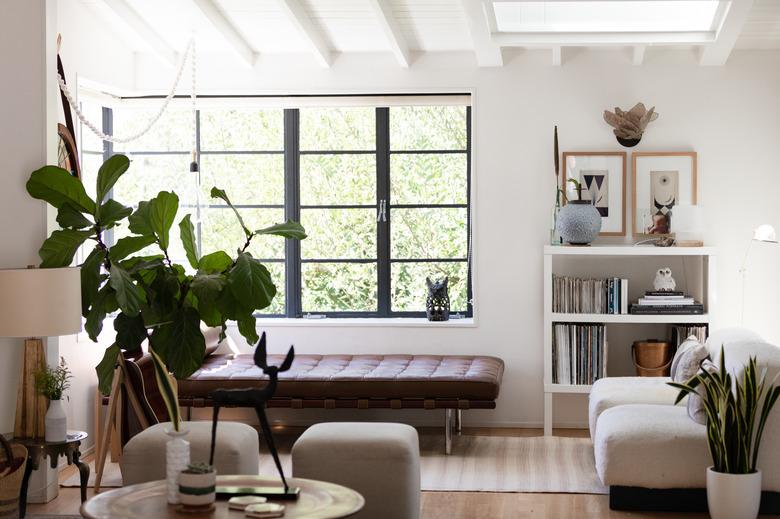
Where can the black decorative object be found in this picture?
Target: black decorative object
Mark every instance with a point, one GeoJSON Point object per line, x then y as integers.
{"type": "Point", "coordinates": [437, 306]}
{"type": "Point", "coordinates": [257, 399]}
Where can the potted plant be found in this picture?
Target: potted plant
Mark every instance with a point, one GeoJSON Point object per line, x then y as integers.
{"type": "Point", "coordinates": [579, 222]}
{"type": "Point", "coordinates": [197, 486]}
{"type": "Point", "coordinates": [737, 410]}
{"type": "Point", "coordinates": [52, 383]}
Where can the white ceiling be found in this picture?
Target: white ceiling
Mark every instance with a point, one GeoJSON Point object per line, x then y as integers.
{"type": "Point", "coordinates": [405, 27]}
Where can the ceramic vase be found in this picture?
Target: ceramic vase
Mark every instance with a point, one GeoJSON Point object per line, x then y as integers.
{"type": "Point", "coordinates": [733, 496]}
{"type": "Point", "coordinates": [197, 490]}
{"type": "Point", "coordinates": [579, 222]}
{"type": "Point", "coordinates": [177, 457]}
{"type": "Point", "coordinates": [555, 237]}
{"type": "Point", "coordinates": [56, 423]}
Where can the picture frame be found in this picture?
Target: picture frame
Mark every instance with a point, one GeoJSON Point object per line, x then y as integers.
{"type": "Point", "coordinates": [661, 180]}
{"type": "Point", "coordinates": [603, 176]}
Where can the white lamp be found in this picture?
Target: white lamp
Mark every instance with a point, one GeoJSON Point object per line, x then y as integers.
{"type": "Point", "coordinates": [765, 234]}
{"type": "Point", "coordinates": [37, 303]}
{"type": "Point", "coordinates": [687, 220]}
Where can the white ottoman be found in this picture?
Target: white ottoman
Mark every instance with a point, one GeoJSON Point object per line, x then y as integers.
{"type": "Point", "coordinates": [237, 450]}
{"type": "Point", "coordinates": [379, 460]}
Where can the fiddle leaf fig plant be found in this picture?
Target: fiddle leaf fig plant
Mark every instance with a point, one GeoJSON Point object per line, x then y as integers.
{"type": "Point", "coordinates": [152, 297]}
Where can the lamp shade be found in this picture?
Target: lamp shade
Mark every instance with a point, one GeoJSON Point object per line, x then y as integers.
{"type": "Point", "coordinates": [765, 233]}
{"type": "Point", "coordinates": [40, 302]}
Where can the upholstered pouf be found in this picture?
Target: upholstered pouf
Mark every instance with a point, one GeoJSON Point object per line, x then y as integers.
{"type": "Point", "coordinates": [379, 460]}
{"type": "Point", "coordinates": [237, 450]}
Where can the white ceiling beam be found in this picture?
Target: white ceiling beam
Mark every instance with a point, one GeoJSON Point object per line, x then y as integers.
{"type": "Point", "coordinates": [209, 9]}
{"type": "Point", "coordinates": [487, 51]}
{"type": "Point", "coordinates": [392, 31]}
{"type": "Point", "coordinates": [717, 53]}
{"type": "Point", "coordinates": [583, 39]}
{"type": "Point", "coordinates": [557, 56]}
{"type": "Point", "coordinates": [638, 55]}
{"type": "Point", "coordinates": [145, 32]}
{"type": "Point", "coordinates": [296, 13]}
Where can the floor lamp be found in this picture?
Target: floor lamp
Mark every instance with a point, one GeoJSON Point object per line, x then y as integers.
{"type": "Point", "coordinates": [764, 234]}
{"type": "Point", "coordinates": [37, 303]}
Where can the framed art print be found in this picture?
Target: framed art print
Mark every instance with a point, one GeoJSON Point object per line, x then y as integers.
{"type": "Point", "coordinates": [662, 180]}
{"type": "Point", "coordinates": [602, 176]}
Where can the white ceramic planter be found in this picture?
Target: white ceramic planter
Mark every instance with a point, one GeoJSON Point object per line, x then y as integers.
{"type": "Point", "coordinates": [197, 489]}
{"type": "Point", "coordinates": [733, 496]}
{"type": "Point", "coordinates": [56, 422]}
{"type": "Point", "coordinates": [177, 457]}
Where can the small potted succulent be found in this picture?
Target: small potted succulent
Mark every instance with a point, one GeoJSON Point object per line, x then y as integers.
{"type": "Point", "coordinates": [197, 486]}
{"type": "Point", "coordinates": [579, 222]}
{"type": "Point", "coordinates": [52, 383]}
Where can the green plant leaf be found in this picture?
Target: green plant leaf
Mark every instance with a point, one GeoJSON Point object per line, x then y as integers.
{"type": "Point", "coordinates": [289, 229]}
{"type": "Point", "coordinates": [59, 248]}
{"type": "Point", "coordinates": [70, 217]}
{"type": "Point", "coordinates": [57, 187]}
{"type": "Point", "coordinates": [155, 217]}
{"type": "Point", "coordinates": [250, 282]}
{"type": "Point", "coordinates": [169, 389]}
{"type": "Point", "coordinates": [139, 221]}
{"type": "Point", "coordinates": [214, 263]}
{"type": "Point", "coordinates": [109, 173]}
{"type": "Point", "coordinates": [187, 233]}
{"type": "Point", "coordinates": [111, 212]}
{"type": "Point", "coordinates": [180, 344]}
{"type": "Point", "coordinates": [219, 193]}
{"type": "Point", "coordinates": [207, 288]}
{"type": "Point", "coordinates": [129, 245]}
{"type": "Point", "coordinates": [105, 369]}
{"type": "Point", "coordinates": [90, 278]}
{"type": "Point", "coordinates": [130, 332]}
{"type": "Point", "coordinates": [104, 302]}
{"type": "Point", "coordinates": [247, 326]}
{"type": "Point", "coordinates": [128, 295]}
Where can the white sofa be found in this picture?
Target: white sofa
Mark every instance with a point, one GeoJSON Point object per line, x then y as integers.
{"type": "Point", "coordinates": [652, 455]}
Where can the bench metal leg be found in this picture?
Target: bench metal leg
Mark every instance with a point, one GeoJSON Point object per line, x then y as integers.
{"type": "Point", "coordinates": [448, 420]}
{"type": "Point", "coordinates": [459, 421]}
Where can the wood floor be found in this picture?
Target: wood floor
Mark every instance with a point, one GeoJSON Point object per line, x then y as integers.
{"type": "Point", "coordinates": [457, 505]}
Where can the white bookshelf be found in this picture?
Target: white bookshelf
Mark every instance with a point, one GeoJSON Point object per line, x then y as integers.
{"type": "Point", "coordinates": [589, 260]}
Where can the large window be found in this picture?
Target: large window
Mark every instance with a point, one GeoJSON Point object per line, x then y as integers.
{"type": "Point", "coordinates": [383, 192]}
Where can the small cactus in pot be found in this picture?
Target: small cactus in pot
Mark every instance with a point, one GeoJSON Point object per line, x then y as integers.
{"type": "Point", "coordinates": [197, 486]}
{"type": "Point", "coordinates": [579, 222]}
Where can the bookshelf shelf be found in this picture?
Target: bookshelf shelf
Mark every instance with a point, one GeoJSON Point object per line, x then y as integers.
{"type": "Point", "coordinates": [695, 267]}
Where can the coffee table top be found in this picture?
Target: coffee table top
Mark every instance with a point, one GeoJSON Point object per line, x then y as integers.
{"type": "Point", "coordinates": [318, 500]}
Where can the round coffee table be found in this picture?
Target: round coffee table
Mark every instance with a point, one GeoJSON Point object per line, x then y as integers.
{"type": "Point", "coordinates": [317, 500]}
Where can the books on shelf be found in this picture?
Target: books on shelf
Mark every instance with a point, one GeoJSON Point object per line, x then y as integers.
{"type": "Point", "coordinates": [681, 332]}
{"type": "Point", "coordinates": [666, 303]}
{"type": "Point", "coordinates": [579, 353]}
{"type": "Point", "coordinates": [573, 295]}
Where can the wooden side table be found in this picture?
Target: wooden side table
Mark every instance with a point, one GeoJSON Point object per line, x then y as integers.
{"type": "Point", "coordinates": [38, 449]}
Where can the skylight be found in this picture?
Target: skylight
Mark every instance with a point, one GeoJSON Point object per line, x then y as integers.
{"type": "Point", "coordinates": [606, 16]}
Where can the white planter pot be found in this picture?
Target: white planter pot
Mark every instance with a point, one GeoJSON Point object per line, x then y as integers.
{"type": "Point", "coordinates": [177, 457]}
{"type": "Point", "coordinates": [733, 496]}
{"type": "Point", "coordinates": [197, 489]}
{"type": "Point", "coordinates": [56, 422]}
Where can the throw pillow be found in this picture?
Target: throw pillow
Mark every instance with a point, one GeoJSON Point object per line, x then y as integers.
{"type": "Point", "coordinates": [696, 402]}
{"type": "Point", "coordinates": [687, 363]}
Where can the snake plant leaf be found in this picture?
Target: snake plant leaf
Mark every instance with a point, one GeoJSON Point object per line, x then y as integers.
{"type": "Point", "coordinates": [220, 193]}
{"type": "Point", "coordinates": [59, 248]}
{"type": "Point", "coordinates": [128, 295]}
{"type": "Point", "coordinates": [187, 234]}
{"type": "Point", "coordinates": [130, 332]}
{"type": "Point", "coordinates": [111, 212]}
{"type": "Point", "coordinates": [71, 218]}
{"type": "Point", "coordinates": [104, 303]}
{"type": "Point", "coordinates": [168, 389]}
{"type": "Point", "coordinates": [105, 369]}
{"type": "Point", "coordinates": [250, 282]}
{"type": "Point", "coordinates": [90, 278]}
{"type": "Point", "coordinates": [180, 344]}
{"type": "Point", "coordinates": [111, 170]}
{"type": "Point", "coordinates": [289, 229]}
{"type": "Point", "coordinates": [214, 263]}
{"type": "Point", "coordinates": [129, 245]}
{"type": "Point", "coordinates": [58, 187]}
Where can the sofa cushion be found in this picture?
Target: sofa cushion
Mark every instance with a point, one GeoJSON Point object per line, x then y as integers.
{"type": "Point", "coordinates": [725, 336]}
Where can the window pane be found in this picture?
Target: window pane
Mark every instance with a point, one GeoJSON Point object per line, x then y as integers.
{"type": "Point", "coordinates": [277, 276]}
{"type": "Point", "coordinates": [150, 174]}
{"type": "Point", "coordinates": [90, 141]}
{"type": "Point", "coordinates": [325, 129]}
{"type": "Point", "coordinates": [174, 131]}
{"type": "Point", "coordinates": [428, 179]}
{"type": "Point", "coordinates": [339, 287]}
{"type": "Point", "coordinates": [247, 179]}
{"type": "Point", "coordinates": [242, 130]}
{"type": "Point", "coordinates": [339, 234]}
{"type": "Point", "coordinates": [409, 290]}
{"type": "Point", "coordinates": [428, 128]}
{"type": "Point", "coordinates": [220, 230]}
{"type": "Point", "coordinates": [338, 179]}
{"type": "Point", "coordinates": [428, 233]}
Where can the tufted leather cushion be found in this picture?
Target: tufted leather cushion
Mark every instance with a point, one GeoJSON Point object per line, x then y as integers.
{"type": "Point", "coordinates": [356, 376]}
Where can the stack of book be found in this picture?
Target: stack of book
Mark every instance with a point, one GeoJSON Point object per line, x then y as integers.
{"type": "Point", "coordinates": [590, 296]}
{"type": "Point", "coordinates": [579, 353]}
{"type": "Point", "coordinates": [667, 303]}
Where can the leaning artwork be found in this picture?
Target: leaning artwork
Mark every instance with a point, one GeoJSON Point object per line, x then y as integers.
{"type": "Point", "coordinates": [664, 194]}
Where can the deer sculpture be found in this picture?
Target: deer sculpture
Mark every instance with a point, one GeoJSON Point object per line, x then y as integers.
{"type": "Point", "coordinates": [255, 398]}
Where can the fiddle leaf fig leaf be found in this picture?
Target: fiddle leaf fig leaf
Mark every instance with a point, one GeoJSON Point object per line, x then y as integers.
{"type": "Point", "coordinates": [111, 212]}
{"type": "Point", "coordinates": [155, 217]}
{"type": "Point", "coordinates": [109, 173]}
{"type": "Point", "coordinates": [70, 217]}
{"type": "Point", "coordinates": [130, 332]}
{"type": "Point", "coordinates": [187, 232]}
{"type": "Point", "coordinates": [129, 245]}
{"type": "Point", "coordinates": [59, 248]}
{"type": "Point", "coordinates": [220, 193]}
{"type": "Point", "coordinates": [105, 369]}
{"type": "Point", "coordinates": [207, 288]}
{"type": "Point", "coordinates": [104, 302]}
{"type": "Point", "coordinates": [214, 263]}
{"type": "Point", "coordinates": [289, 229]}
{"type": "Point", "coordinates": [250, 282]}
{"type": "Point", "coordinates": [58, 187]}
{"type": "Point", "coordinates": [90, 278]}
{"type": "Point", "coordinates": [139, 221]}
{"type": "Point", "coordinates": [247, 326]}
{"type": "Point", "coordinates": [180, 344]}
{"type": "Point", "coordinates": [129, 296]}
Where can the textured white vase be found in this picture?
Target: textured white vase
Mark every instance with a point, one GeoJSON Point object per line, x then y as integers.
{"type": "Point", "coordinates": [733, 496]}
{"type": "Point", "coordinates": [177, 457]}
{"type": "Point", "coordinates": [56, 422]}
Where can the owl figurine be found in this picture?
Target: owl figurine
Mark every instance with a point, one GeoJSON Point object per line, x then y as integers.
{"type": "Point", "coordinates": [664, 282]}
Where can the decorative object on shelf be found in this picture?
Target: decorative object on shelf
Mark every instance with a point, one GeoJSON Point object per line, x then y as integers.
{"type": "Point", "coordinates": [437, 305]}
{"type": "Point", "coordinates": [256, 399]}
{"type": "Point", "coordinates": [197, 488]}
{"type": "Point", "coordinates": [37, 303]}
{"type": "Point", "coordinates": [241, 502]}
{"type": "Point", "coordinates": [603, 175]}
{"type": "Point", "coordinates": [652, 358]}
{"type": "Point", "coordinates": [560, 195]}
{"type": "Point", "coordinates": [737, 409]}
{"type": "Point", "coordinates": [629, 126]}
{"type": "Point", "coordinates": [762, 234]}
{"type": "Point", "coordinates": [662, 182]}
{"type": "Point", "coordinates": [13, 461]}
{"type": "Point", "coordinates": [579, 222]}
{"type": "Point", "coordinates": [664, 282]}
{"type": "Point", "coordinates": [52, 383]}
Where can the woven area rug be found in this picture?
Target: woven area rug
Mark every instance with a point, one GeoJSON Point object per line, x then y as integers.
{"type": "Point", "coordinates": [477, 464]}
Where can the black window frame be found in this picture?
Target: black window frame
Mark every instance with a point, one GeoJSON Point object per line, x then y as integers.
{"type": "Point", "coordinates": [292, 206]}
